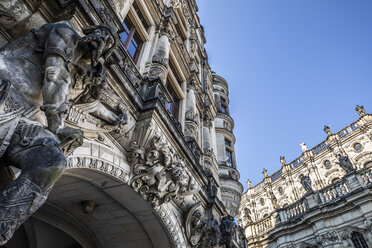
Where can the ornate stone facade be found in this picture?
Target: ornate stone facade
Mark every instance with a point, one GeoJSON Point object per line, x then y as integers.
{"type": "Point", "coordinates": [321, 199]}
{"type": "Point", "coordinates": [157, 166]}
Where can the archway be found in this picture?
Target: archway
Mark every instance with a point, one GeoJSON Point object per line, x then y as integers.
{"type": "Point", "coordinates": [121, 217]}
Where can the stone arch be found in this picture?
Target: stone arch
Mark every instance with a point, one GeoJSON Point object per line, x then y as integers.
{"type": "Point", "coordinates": [86, 167]}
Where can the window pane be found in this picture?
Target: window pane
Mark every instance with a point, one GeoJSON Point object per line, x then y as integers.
{"type": "Point", "coordinates": [229, 158]}
{"type": "Point", "coordinates": [132, 49]}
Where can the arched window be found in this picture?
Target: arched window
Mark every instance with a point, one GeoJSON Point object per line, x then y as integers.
{"type": "Point", "coordinates": [358, 240]}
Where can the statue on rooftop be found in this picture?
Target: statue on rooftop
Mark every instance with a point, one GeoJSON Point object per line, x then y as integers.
{"type": "Point", "coordinates": [360, 110]}
{"type": "Point", "coordinates": [282, 160]}
{"type": "Point", "coordinates": [303, 147]}
{"type": "Point", "coordinates": [36, 71]}
{"type": "Point", "coordinates": [327, 130]}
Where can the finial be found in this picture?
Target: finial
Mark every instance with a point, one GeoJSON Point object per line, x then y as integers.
{"type": "Point", "coordinates": [282, 160]}
{"type": "Point", "coordinates": [249, 184]}
{"type": "Point", "coordinates": [360, 110]}
{"type": "Point", "coordinates": [303, 147]}
{"type": "Point", "coordinates": [265, 172]}
{"type": "Point", "coordinates": [327, 130]}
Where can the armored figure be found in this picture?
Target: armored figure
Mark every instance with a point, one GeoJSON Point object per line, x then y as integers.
{"type": "Point", "coordinates": [306, 183]}
{"type": "Point", "coordinates": [35, 74]}
{"type": "Point", "coordinates": [345, 163]}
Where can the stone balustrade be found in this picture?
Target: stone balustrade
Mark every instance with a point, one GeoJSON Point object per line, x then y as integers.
{"type": "Point", "coordinates": [367, 176]}
{"type": "Point", "coordinates": [294, 211]}
{"type": "Point", "coordinates": [334, 192]}
{"type": "Point", "coordinates": [265, 225]}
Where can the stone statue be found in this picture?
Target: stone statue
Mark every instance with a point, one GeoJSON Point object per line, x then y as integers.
{"type": "Point", "coordinates": [345, 163]}
{"type": "Point", "coordinates": [264, 172]}
{"type": "Point", "coordinates": [282, 160]}
{"type": "Point", "coordinates": [249, 184]}
{"type": "Point", "coordinates": [35, 74]}
{"type": "Point", "coordinates": [360, 110]}
{"type": "Point", "coordinates": [327, 130]}
{"type": "Point", "coordinates": [306, 183]}
{"type": "Point", "coordinates": [303, 147]}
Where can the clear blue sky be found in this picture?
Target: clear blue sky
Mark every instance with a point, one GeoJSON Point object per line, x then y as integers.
{"type": "Point", "coordinates": [292, 67]}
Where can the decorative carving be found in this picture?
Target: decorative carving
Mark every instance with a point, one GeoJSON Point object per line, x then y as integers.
{"type": "Point", "coordinates": [92, 96]}
{"type": "Point", "coordinates": [159, 174]}
{"type": "Point", "coordinates": [202, 228]}
{"type": "Point", "coordinates": [345, 163]}
{"type": "Point", "coordinates": [360, 110]}
{"type": "Point", "coordinates": [328, 239]}
{"type": "Point", "coordinates": [50, 53]}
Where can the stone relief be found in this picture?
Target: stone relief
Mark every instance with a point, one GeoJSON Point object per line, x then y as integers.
{"type": "Point", "coordinates": [35, 73]}
{"type": "Point", "coordinates": [158, 172]}
{"type": "Point", "coordinates": [328, 239]}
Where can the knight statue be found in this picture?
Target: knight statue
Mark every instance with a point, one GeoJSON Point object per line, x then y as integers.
{"type": "Point", "coordinates": [36, 72]}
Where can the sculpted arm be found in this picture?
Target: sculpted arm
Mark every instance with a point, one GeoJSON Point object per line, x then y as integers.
{"type": "Point", "coordinates": [56, 92]}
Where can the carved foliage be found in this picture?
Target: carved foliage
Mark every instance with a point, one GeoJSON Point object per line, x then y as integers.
{"type": "Point", "coordinates": [158, 172]}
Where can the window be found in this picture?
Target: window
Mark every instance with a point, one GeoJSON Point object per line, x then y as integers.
{"type": "Point", "coordinates": [229, 161]}
{"type": "Point", "coordinates": [224, 108]}
{"type": "Point", "coordinates": [358, 147]}
{"type": "Point", "coordinates": [358, 240]}
{"type": "Point", "coordinates": [227, 142]}
{"type": "Point", "coordinates": [131, 40]}
{"type": "Point", "coordinates": [174, 104]}
{"type": "Point", "coordinates": [327, 164]}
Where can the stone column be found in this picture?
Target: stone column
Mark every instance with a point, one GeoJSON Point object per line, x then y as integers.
{"type": "Point", "coordinates": [191, 124]}
{"type": "Point", "coordinates": [160, 59]}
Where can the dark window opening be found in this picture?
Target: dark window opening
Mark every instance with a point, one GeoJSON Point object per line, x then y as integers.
{"type": "Point", "coordinates": [358, 240]}
{"type": "Point", "coordinates": [174, 104]}
{"type": "Point", "coordinates": [131, 40]}
{"type": "Point", "coordinates": [227, 142]}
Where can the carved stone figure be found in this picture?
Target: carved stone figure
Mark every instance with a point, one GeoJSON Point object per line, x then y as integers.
{"type": "Point", "coordinates": [202, 228]}
{"type": "Point", "coordinates": [306, 183]}
{"type": "Point", "coordinates": [360, 110]}
{"type": "Point", "coordinates": [35, 73]}
{"type": "Point", "coordinates": [327, 130]}
{"type": "Point", "coordinates": [282, 160]}
{"type": "Point", "coordinates": [345, 163]}
{"type": "Point", "coordinates": [264, 172]}
{"type": "Point", "coordinates": [249, 183]}
{"type": "Point", "coordinates": [303, 147]}
{"type": "Point", "coordinates": [227, 229]}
